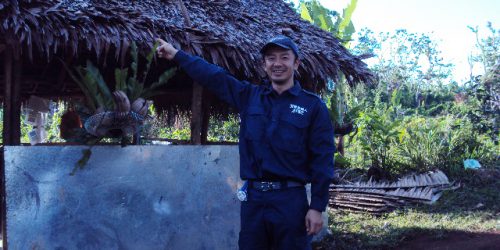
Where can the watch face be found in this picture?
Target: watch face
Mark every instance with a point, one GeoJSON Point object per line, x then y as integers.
{"type": "Point", "coordinates": [242, 195]}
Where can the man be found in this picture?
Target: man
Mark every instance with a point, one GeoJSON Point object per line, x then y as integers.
{"type": "Point", "coordinates": [286, 141]}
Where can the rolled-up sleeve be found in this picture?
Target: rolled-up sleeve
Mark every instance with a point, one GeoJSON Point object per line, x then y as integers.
{"type": "Point", "coordinates": [321, 148]}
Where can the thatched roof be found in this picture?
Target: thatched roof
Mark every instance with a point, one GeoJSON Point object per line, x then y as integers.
{"type": "Point", "coordinates": [226, 32]}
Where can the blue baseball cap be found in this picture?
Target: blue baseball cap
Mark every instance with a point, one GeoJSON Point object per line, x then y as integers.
{"type": "Point", "coordinates": [283, 42]}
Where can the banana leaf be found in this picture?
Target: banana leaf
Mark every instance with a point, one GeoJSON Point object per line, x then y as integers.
{"type": "Point", "coordinates": [121, 79]}
{"type": "Point", "coordinates": [104, 92]}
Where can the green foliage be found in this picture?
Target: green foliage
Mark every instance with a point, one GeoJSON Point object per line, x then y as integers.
{"type": "Point", "coordinates": [377, 132]}
{"type": "Point", "coordinates": [97, 92]}
{"type": "Point", "coordinates": [488, 48]}
{"type": "Point", "coordinates": [416, 119]}
{"type": "Point", "coordinates": [345, 26]}
{"type": "Point", "coordinates": [423, 143]}
{"type": "Point", "coordinates": [409, 62]}
{"type": "Point", "coordinates": [342, 27]}
{"type": "Point", "coordinates": [92, 84]}
{"type": "Point", "coordinates": [178, 127]}
{"type": "Point", "coordinates": [225, 130]}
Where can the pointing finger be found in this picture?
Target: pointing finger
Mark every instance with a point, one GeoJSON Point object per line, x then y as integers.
{"type": "Point", "coordinates": [161, 41]}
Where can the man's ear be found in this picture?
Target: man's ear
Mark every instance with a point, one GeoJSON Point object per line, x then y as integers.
{"type": "Point", "coordinates": [296, 64]}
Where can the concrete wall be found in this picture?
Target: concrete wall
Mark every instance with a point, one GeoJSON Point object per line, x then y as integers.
{"type": "Point", "coordinates": [136, 197]}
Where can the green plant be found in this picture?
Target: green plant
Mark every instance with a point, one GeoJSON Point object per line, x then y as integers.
{"type": "Point", "coordinates": [423, 143]}
{"type": "Point", "coordinates": [377, 133]}
{"type": "Point", "coordinates": [97, 92]}
{"type": "Point", "coordinates": [221, 129]}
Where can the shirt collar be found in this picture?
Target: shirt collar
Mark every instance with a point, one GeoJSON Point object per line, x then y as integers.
{"type": "Point", "coordinates": [294, 90]}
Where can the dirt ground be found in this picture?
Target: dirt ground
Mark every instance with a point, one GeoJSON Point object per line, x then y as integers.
{"type": "Point", "coordinates": [454, 241]}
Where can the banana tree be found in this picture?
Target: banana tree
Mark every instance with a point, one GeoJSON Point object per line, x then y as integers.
{"type": "Point", "coordinates": [342, 28]}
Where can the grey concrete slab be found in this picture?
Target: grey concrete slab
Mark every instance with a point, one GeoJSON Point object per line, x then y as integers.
{"type": "Point", "coordinates": [136, 197]}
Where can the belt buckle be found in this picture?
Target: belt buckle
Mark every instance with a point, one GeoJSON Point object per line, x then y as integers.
{"type": "Point", "coordinates": [268, 186]}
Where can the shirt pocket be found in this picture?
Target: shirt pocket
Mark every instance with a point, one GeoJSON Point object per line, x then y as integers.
{"type": "Point", "coordinates": [256, 123]}
{"type": "Point", "coordinates": [291, 133]}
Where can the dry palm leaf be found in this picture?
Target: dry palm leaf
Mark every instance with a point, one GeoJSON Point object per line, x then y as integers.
{"type": "Point", "coordinates": [377, 197]}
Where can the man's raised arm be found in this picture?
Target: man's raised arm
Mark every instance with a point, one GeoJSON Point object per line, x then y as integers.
{"type": "Point", "coordinates": [211, 76]}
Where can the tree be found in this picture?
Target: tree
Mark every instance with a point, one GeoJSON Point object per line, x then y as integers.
{"type": "Point", "coordinates": [484, 102]}
{"type": "Point", "coordinates": [342, 28]}
{"type": "Point", "coordinates": [409, 62]}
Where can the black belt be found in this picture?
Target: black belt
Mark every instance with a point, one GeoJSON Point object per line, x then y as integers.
{"type": "Point", "coordinates": [265, 186]}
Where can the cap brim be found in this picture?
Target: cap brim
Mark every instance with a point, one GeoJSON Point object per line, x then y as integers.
{"type": "Point", "coordinates": [272, 44]}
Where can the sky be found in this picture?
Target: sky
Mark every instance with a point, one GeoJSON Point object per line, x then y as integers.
{"type": "Point", "coordinates": [445, 20]}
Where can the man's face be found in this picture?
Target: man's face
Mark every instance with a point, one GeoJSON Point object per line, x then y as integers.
{"type": "Point", "coordinates": [279, 64]}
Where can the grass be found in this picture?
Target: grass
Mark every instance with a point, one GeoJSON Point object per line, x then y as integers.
{"type": "Point", "coordinates": [475, 207]}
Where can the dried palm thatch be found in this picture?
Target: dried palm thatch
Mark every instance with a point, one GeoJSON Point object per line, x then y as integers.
{"type": "Point", "coordinates": [227, 33]}
{"type": "Point", "coordinates": [378, 197]}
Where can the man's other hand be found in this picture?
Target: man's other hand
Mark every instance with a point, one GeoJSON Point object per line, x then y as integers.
{"type": "Point", "coordinates": [165, 49]}
{"type": "Point", "coordinates": [314, 222]}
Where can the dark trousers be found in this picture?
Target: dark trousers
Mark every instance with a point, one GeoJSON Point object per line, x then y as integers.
{"type": "Point", "coordinates": [274, 220]}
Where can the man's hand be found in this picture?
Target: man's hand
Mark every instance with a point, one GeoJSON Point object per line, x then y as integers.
{"type": "Point", "coordinates": [166, 50]}
{"type": "Point", "coordinates": [314, 222]}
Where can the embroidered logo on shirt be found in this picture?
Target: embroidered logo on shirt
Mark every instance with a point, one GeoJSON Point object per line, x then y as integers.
{"type": "Point", "coordinates": [296, 109]}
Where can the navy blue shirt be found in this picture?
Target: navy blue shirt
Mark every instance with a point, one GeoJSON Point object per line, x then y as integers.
{"type": "Point", "coordinates": [282, 137]}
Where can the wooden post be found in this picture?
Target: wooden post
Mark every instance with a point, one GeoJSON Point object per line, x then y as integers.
{"type": "Point", "coordinates": [196, 114]}
{"type": "Point", "coordinates": [196, 101]}
{"type": "Point", "coordinates": [7, 101]}
{"type": "Point", "coordinates": [3, 206]}
{"type": "Point", "coordinates": [206, 119]}
{"type": "Point", "coordinates": [16, 100]}
{"type": "Point", "coordinates": [8, 62]}
{"type": "Point", "coordinates": [12, 103]}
